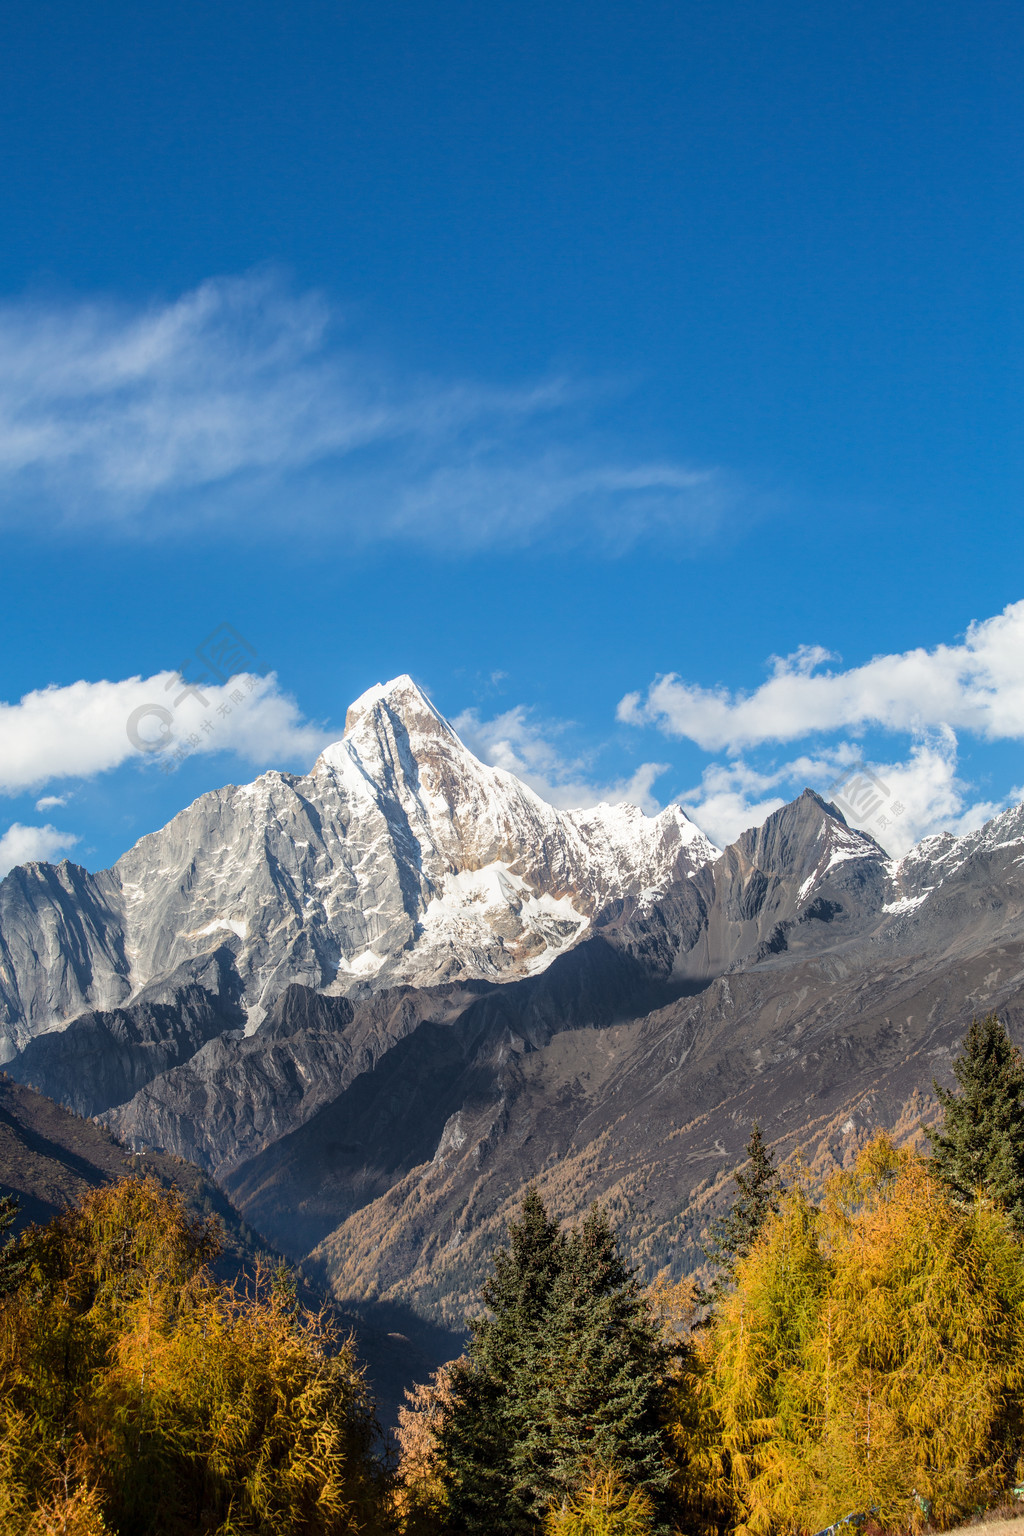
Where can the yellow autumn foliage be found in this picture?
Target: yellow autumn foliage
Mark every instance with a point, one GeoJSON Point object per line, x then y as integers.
{"type": "Point", "coordinates": [870, 1358]}
{"type": "Point", "coordinates": [420, 1498]}
{"type": "Point", "coordinates": [604, 1505]}
{"type": "Point", "coordinates": [142, 1397]}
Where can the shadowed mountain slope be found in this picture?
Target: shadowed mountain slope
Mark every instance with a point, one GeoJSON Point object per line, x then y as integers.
{"type": "Point", "coordinates": [51, 1158]}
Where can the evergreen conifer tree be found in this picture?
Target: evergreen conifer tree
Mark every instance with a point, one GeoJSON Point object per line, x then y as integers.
{"type": "Point", "coordinates": [485, 1434]}
{"type": "Point", "coordinates": [601, 1394]}
{"type": "Point", "coordinates": [981, 1142]}
{"type": "Point", "coordinates": [731, 1237]}
{"type": "Point", "coordinates": [564, 1374]}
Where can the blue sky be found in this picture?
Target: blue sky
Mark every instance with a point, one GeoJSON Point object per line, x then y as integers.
{"type": "Point", "coordinates": [541, 352]}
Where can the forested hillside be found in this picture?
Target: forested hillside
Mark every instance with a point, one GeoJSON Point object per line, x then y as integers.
{"type": "Point", "coordinates": [51, 1158]}
{"type": "Point", "coordinates": [855, 1352]}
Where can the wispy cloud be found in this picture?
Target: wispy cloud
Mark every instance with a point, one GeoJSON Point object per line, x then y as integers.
{"type": "Point", "coordinates": [51, 802]}
{"type": "Point", "coordinates": [21, 844]}
{"type": "Point", "coordinates": [218, 403]}
{"type": "Point", "coordinates": [518, 742]}
{"type": "Point", "coordinates": [732, 797]}
{"type": "Point", "coordinates": [924, 792]}
{"type": "Point", "coordinates": [87, 728]}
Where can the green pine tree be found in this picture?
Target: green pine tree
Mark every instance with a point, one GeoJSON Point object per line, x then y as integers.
{"type": "Point", "coordinates": [601, 1394]}
{"type": "Point", "coordinates": [980, 1144]}
{"type": "Point", "coordinates": [564, 1374]}
{"type": "Point", "coordinates": [489, 1481]}
{"type": "Point", "coordinates": [731, 1237]}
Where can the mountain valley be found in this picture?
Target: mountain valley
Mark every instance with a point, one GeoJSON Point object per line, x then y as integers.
{"type": "Point", "coordinates": [375, 1002]}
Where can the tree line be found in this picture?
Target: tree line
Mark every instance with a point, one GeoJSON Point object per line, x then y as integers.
{"type": "Point", "coordinates": [854, 1352]}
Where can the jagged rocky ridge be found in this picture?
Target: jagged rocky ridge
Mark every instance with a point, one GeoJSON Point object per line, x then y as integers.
{"type": "Point", "coordinates": [597, 1000]}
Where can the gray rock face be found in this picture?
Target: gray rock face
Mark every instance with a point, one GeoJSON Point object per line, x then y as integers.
{"type": "Point", "coordinates": [801, 887]}
{"type": "Point", "coordinates": [400, 859]}
{"type": "Point", "coordinates": [771, 891]}
{"type": "Point", "coordinates": [838, 996]}
{"type": "Point", "coordinates": [237, 1094]}
{"type": "Point", "coordinates": [105, 1057]}
{"type": "Point", "coordinates": [62, 948]}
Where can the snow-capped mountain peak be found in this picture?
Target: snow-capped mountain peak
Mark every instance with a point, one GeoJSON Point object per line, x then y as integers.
{"type": "Point", "coordinates": [401, 857]}
{"type": "Point", "coordinates": [400, 701]}
{"type": "Point", "coordinates": [934, 860]}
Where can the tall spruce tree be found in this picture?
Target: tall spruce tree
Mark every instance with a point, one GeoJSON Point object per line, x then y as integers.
{"type": "Point", "coordinates": [731, 1237]}
{"type": "Point", "coordinates": [980, 1144]}
{"type": "Point", "coordinates": [485, 1436]}
{"type": "Point", "coordinates": [565, 1374]}
{"type": "Point", "coordinates": [601, 1394]}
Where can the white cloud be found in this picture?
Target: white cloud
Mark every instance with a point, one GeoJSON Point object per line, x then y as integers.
{"type": "Point", "coordinates": [933, 797]}
{"type": "Point", "coordinates": [84, 728]}
{"type": "Point", "coordinates": [921, 794]}
{"type": "Point", "coordinates": [915, 797]}
{"type": "Point", "coordinates": [929, 695]}
{"type": "Point", "coordinates": [977, 686]}
{"type": "Point", "coordinates": [729, 799]}
{"type": "Point", "coordinates": [51, 802]}
{"type": "Point", "coordinates": [516, 742]}
{"type": "Point", "coordinates": [21, 844]}
{"type": "Point", "coordinates": [736, 795]}
{"type": "Point", "coordinates": [212, 406]}
{"type": "Point", "coordinates": [486, 498]}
